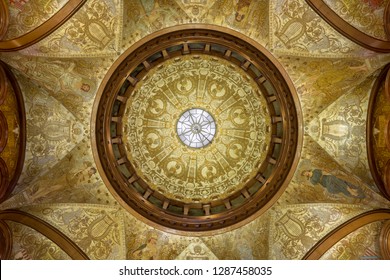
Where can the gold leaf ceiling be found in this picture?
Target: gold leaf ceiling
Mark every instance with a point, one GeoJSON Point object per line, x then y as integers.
{"type": "Point", "coordinates": [60, 76]}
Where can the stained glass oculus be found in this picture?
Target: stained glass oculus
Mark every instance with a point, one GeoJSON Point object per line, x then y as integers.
{"type": "Point", "coordinates": [196, 128]}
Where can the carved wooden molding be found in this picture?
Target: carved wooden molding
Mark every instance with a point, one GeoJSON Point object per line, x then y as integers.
{"type": "Point", "coordinates": [44, 30]}
{"type": "Point", "coordinates": [55, 235]}
{"type": "Point", "coordinates": [381, 81]}
{"type": "Point", "coordinates": [116, 88]}
{"type": "Point", "coordinates": [5, 241]}
{"type": "Point", "coordinates": [387, 85]}
{"type": "Point", "coordinates": [3, 85]}
{"type": "Point", "coordinates": [349, 31]}
{"type": "Point", "coordinates": [4, 178]}
{"type": "Point", "coordinates": [386, 174]}
{"type": "Point", "coordinates": [4, 18]}
{"type": "Point", "coordinates": [331, 239]}
{"type": "Point", "coordinates": [387, 134]}
{"type": "Point", "coordinates": [4, 131]}
{"type": "Point", "coordinates": [384, 241]}
{"type": "Point", "coordinates": [10, 80]}
{"type": "Point", "coordinates": [386, 20]}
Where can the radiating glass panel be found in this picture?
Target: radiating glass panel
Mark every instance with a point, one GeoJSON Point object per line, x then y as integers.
{"type": "Point", "coordinates": [196, 128]}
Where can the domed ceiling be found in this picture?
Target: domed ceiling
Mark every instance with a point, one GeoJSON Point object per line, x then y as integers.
{"type": "Point", "coordinates": [193, 134]}
{"type": "Point", "coordinates": [152, 125]}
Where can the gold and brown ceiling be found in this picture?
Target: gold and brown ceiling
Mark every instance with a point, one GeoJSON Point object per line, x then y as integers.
{"type": "Point", "coordinates": [197, 128]}
{"type": "Point", "coordinates": [342, 90]}
{"type": "Point", "coordinates": [12, 131]}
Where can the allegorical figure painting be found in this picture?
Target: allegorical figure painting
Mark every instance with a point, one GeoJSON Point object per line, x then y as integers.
{"type": "Point", "coordinates": [332, 183]}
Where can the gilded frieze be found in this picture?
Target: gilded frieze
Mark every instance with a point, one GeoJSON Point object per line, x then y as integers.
{"type": "Point", "coordinates": [295, 229]}
{"type": "Point", "coordinates": [242, 129]}
{"type": "Point", "coordinates": [29, 244]}
{"type": "Point", "coordinates": [296, 29]}
{"type": "Point", "coordinates": [93, 31]}
{"type": "Point", "coordinates": [367, 16]}
{"type": "Point", "coordinates": [25, 15]}
{"type": "Point", "coordinates": [362, 244]}
{"type": "Point", "coordinates": [97, 229]}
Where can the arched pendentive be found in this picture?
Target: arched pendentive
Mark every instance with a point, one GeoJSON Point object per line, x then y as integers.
{"type": "Point", "coordinates": [64, 242]}
{"type": "Point", "coordinates": [4, 19]}
{"type": "Point", "coordinates": [349, 31]}
{"type": "Point", "coordinates": [331, 239]}
{"type": "Point", "coordinates": [384, 240]}
{"type": "Point", "coordinates": [386, 20]}
{"type": "Point", "coordinates": [42, 31]}
{"type": "Point", "coordinates": [5, 241]}
{"type": "Point", "coordinates": [375, 152]}
{"type": "Point", "coordinates": [13, 131]}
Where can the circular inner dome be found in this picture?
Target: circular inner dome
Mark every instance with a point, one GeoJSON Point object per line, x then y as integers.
{"type": "Point", "coordinates": [196, 128]}
{"type": "Point", "coordinates": [155, 128]}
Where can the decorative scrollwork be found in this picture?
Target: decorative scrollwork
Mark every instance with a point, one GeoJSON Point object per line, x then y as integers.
{"type": "Point", "coordinates": [341, 231]}
{"type": "Point", "coordinates": [40, 32]}
{"type": "Point", "coordinates": [348, 30]}
{"type": "Point", "coordinates": [46, 229]}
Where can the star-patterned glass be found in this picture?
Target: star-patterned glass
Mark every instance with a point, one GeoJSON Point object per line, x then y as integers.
{"type": "Point", "coordinates": [196, 128]}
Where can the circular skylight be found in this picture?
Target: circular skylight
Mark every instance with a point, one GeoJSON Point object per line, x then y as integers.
{"type": "Point", "coordinates": [196, 128]}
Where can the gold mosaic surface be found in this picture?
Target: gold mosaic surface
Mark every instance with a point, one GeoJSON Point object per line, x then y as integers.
{"type": "Point", "coordinates": [362, 244]}
{"type": "Point", "coordinates": [381, 119]}
{"type": "Point", "coordinates": [59, 77]}
{"type": "Point", "coordinates": [29, 244]}
{"type": "Point", "coordinates": [25, 15]}
{"type": "Point", "coordinates": [238, 148]}
{"type": "Point", "coordinates": [367, 16]}
{"type": "Point", "coordinates": [11, 151]}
